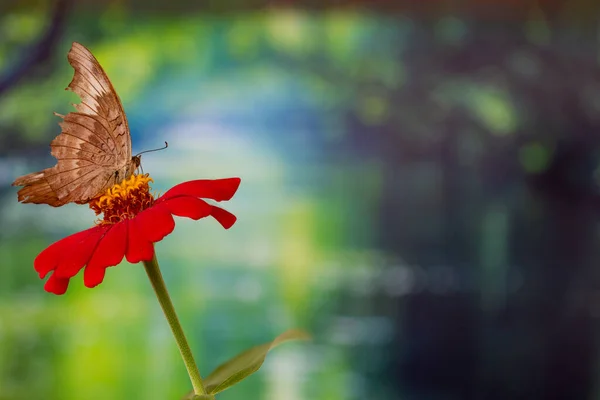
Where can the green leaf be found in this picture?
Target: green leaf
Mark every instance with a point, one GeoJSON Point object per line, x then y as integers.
{"type": "Point", "coordinates": [246, 363]}
{"type": "Point", "coordinates": [192, 396]}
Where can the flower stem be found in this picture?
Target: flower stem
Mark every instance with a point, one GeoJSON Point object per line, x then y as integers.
{"type": "Point", "coordinates": [153, 271]}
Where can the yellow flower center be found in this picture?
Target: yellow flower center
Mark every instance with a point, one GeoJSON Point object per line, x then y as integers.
{"type": "Point", "coordinates": [124, 200]}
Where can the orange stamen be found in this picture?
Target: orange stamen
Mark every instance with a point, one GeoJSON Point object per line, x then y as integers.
{"type": "Point", "coordinates": [124, 200]}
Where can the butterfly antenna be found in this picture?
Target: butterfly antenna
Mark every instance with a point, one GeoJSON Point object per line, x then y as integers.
{"type": "Point", "coordinates": [150, 151]}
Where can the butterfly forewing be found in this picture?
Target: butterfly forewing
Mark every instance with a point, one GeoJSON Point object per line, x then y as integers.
{"type": "Point", "coordinates": [93, 151]}
{"type": "Point", "coordinates": [99, 98]}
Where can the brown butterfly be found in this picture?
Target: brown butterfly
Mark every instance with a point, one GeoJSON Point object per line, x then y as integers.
{"type": "Point", "coordinates": [94, 148]}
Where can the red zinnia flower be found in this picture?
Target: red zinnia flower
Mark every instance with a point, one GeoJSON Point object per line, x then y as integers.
{"type": "Point", "coordinates": [133, 220]}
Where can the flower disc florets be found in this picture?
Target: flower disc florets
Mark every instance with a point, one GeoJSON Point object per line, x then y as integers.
{"type": "Point", "coordinates": [124, 200]}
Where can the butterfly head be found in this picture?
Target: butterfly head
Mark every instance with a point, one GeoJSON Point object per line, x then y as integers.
{"type": "Point", "coordinates": [131, 167]}
{"type": "Point", "coordinates": [136, 160]}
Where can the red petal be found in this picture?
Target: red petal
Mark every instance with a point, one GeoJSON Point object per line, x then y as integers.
{"type": "Point", "coordinates": [215, 189]}
{"type": "Point", "coordinates": [56, 285]}
{"type": "Point", "coordinates": [138, 247]}
{"type": "Point", "coordinates": [155, 223]}
{"type": "Point", "coordinates": [109, 252]}
{"type": "Point", "coordinates": [187, 206]}
{"type": "Point", "coordinates": [72, 262]}
{"type": "Point", "coordinates": [49, 258]}
{"type": "Point", "coordinates": [225, 218]}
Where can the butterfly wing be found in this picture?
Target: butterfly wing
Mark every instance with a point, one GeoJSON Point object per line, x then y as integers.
{"type": "Point", "coordinates": [93, 151]}
{"type": "Point", "coordinates": [37, 190]}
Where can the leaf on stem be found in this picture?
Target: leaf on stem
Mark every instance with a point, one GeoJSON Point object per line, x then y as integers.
{"type": "Point", "coordinates": [192, 396]}
{"type": "Point", "coordinates": [246, 363]}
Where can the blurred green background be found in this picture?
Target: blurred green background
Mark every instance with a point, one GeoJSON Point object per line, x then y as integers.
{"type": "Point", "coordinates": [419, 190]}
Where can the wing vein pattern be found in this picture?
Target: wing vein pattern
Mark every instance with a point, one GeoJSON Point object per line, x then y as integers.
{"type": "Point", "coordinates": [93, 150]}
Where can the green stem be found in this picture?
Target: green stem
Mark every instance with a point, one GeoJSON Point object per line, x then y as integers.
{"type": "Point", "coordinates": [153, 271]}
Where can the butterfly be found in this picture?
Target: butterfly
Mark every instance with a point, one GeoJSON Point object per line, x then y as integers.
{"type": "Point", "coordinates": [93, 150]}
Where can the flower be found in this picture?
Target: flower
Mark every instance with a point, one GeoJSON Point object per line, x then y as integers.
{"type": "Point", "coordinates": [132, 222]}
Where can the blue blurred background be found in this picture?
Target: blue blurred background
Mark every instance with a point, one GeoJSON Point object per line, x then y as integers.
{"type": "Point", "coordinates": [419, 190]}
